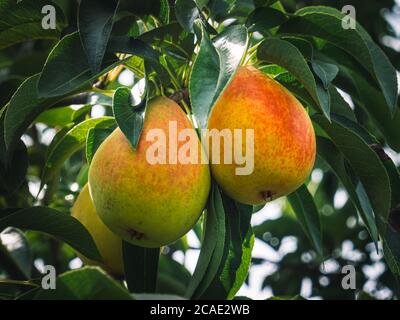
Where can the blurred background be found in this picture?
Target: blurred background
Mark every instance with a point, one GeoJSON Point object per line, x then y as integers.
{"type": "Point", "coordinates": [283, 262]}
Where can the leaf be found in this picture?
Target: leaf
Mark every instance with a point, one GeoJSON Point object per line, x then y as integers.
{"type": "Point", "coordinates": [22, 21]}
{"type": "Point", "coordinates": [68, 55]}
{"type": "Point", "coordinates": [186, 12]}
{"type": "Point", "coordinates": [140, 265]}
{"type": "Point", "coordinates": [364, 161]}
{"type": "Point", "coordinates": [88, 283]}
{"type": "Point", "coordinates": [69, 144]}
{"type": "Point", "coordinates": [326, 23]}
{"type": "Point", "coordinates": [214, 67]}
{"type": "Point", "coordinates": [335, 159]}
{"type": "Point", "coordinates": [264, 18]}
{"type": "Point", "coordinates": [138, 47]}
{"type": "Point", "coordinates": [325, 71]}
{"type": "Point", "coordinates": [95, 21]}
{"type": "Point", "coordinates": [95, 138]}
{"type": "Point", "coordinates": [211, 247]}
{"type": "Point", "coordinates": [15, 255]}
{"type": "Point", "coordinates": [173, 277]}
{"type": "Point", "coordinates": [55, 223]}
{"type": "Point", "coordinates": [307, 213]}
{"type": "Point", "coordinates": [56, 117]}
{"type": "Point", "coordinates": [286, 55]}
{"type": "Point", "coordinates": [130, 119]}
{"type": "Point", "coordinates": [23, 108]}
{"type": "Point", "coordinates": [164, 11]}
{"type": "Point", "coordinates": [237, 252]}
{"type": "Point", "coordinates": [13, 168]}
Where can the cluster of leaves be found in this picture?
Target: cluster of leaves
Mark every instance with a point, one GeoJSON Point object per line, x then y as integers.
{"type": "Point", "coordinates": [188, 50]}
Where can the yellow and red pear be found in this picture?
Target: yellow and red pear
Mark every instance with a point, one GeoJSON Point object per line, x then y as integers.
{"type": "Point", "coordinates": [148, 204]}
{"type": "Point", "coordinates": [108, 244]}
{"type": "Point", "coordinates": [284, 138]}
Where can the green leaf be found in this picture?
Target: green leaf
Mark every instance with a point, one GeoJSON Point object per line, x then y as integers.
{"type": "Point", "coordinates": [95, 21]}
{"type": "Point", "coordinates": [70, 143]}
{"type": "Point", "coordinates": [186, 12]}
{"type": "Point", "coordinates": [239, 240]}
{"type": "Point", "coordinates": [95, 138]}
{"type": "Point", "coordinates": [214, 67]}
{"type": "Point", "coordinates": [13, 167]}
{"type": "Point", "coordinates": [264, 18]}
{"type": "Point", "coordinates": [15, 254]}
{"type": "Point", "coordinates": [326, 23]}
{"type": "Point", "coordinates": [140, 265]}
{"type": "Point", "coordinates": [164, 11]}
{"type": "Point", "coordinates": [356, 82]}
{"type": "Point", "coordinates": [325, 71]}
{"type": "Point", "coordinates": [307, 213]}
{"type": "Point", "coordinates": [22, 21]}
{"type": "Point", "coordinates": [364, 161]}
{"type": "Point", "coordinates": [23, 108]}
{"type": "Point", "coordinates": [285, 54]}
{"type": "Point", "coordinates": [138, 47]}
{"type": "Point", "coordinates": [55, 223]}
{"type": "Point", "coordinates": [130, 119]}
{"type": "Point", "coordinates": [68, 55]}
{"type": "Point", "coordinates": [211, 247]}
{"type": "Point", "coordinates": [173, 277]}
{"type": "Point", "coordinates": [88, 283]}
{"type": "Point", "coordinates": [56, 117]}
{"type": "Point", "coordinates": [335, 159]}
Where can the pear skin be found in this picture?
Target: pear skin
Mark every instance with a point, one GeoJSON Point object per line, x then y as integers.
{"type": "Point", "coordinates": [284, 138]}
{"type": "Point", "coordinates": [148, 205]}
{"type": "Point", "coordinates": [108, 244]}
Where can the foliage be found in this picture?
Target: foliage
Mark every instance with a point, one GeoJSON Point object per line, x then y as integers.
{"type": "Point", "coordinates": [54, 84]}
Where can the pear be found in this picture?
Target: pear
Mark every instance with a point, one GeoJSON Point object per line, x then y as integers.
{"type": "Point", "coordinates": [108, 244]}
{"type": "Point", "coordinates": [283, 150]}
{"type": "Point", "coordinates": [147, 202]}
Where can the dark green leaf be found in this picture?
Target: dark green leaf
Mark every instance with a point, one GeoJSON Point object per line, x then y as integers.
{"type": "Point", "coordinates": [130, 119]}
{"type": "Point", "coordinates": [237, 252]}
{"type": "Point", "coordinates": [15, 255]}
{"type": "Point", "coordinates": [53, 222]}
{"type": "Point", "coordinates": [70, 143]}
{"type": "Point", "coordinates": [325, 71]}
{"type": "Point", "coordinates": [95, 138]}
{"type": "Point", "coordinates": [13, 168]}
{"type": "Point", "coordinates": [23, 108]}
{"type": "Point", "coordinates": [88, 283]}
{"type": "Point", "coordinates": [286, 55]}
{"type": "Point", "coordinates": [335, 159]}
{"type": "Point", "coordinates": [186, 12]}
{"type": "Point", "coordinates": [307, 213]}
{"type": "Point", "coordinates": [264, 18]}
{"type": "Point", "coordinates": [214, 67]}
{"type": "Point", "coordinates": [68, 55]}
{"type": "Point", "coordinates": [140, 265]}
{"type": "Point", "coordinates": [211, 247]}
{"type": "Point", "coordinates": [22, 21]}
{"type": "Point", "coordinates": [95, 21]}
{"type": "Point", "coordinates": [364, 161]}
{"type": "Point", "coordinates": [326, 23]}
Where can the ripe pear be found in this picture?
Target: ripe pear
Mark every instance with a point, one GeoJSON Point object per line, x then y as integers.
{"type": "Point", "coordinates": [149, 204]}
{"type": "Point", "coordinates": [284, 139]}
{"type": "Point", "coordinates": [109, 245]}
